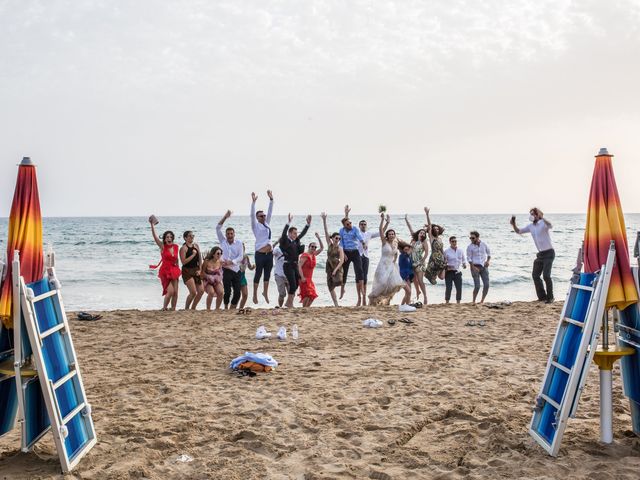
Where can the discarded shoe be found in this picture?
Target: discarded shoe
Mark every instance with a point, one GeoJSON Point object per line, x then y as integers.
{"type": "Point", "coordinates": [261, 333]}
{"type": "Point", "coordinates": [406, 308]}
{"type": "Point", "coordinates": [282, 333]}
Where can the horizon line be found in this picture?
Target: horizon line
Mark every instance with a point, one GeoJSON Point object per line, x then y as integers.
{"type": "Point", "coordinates": [303, 214]}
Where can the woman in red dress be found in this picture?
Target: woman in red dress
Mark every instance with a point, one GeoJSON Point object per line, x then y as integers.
{"type": "Point", "coordinates": [169, 272]}
{"type": "Point", "coordinates": [306, 265]}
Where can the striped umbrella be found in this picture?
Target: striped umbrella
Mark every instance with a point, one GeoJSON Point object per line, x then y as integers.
{"type": "Point", "coordinates": [605, 222]}
{"type": "Point", "coordinates": [25, 235]}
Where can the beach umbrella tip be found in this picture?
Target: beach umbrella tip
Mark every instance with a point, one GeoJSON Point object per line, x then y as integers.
{"type": "Point", "coordinates": [26, 161]}
{"type": "Point", "coordinates": [604, 152]}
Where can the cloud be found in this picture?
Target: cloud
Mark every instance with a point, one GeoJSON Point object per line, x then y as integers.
{"type": "Point", "coordinates": [235, 45]}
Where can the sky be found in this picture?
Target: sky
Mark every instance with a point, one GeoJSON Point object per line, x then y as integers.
{"type": "Point", "coordinates": [186, 107]}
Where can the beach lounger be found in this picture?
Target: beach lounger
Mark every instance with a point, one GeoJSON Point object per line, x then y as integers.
{"type": "Point", "coordinates": [62, 400]}
{"type": "Point", "coordinates": [571, 355]}
{"type": "Point", "coordinates": [629, 336]}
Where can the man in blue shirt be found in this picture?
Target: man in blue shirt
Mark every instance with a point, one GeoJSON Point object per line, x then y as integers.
{"type": "Point", "coordinates": [350, 238]}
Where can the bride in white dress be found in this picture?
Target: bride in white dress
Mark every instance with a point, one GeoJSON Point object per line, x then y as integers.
{"type": "Point", "coordinates": [387, 280]}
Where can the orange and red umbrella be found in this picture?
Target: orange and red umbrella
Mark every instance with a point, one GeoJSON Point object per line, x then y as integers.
{"type": "Point", "coordinates": [25, 235]}
{"type": "Point", "coordinates": [605, 222]}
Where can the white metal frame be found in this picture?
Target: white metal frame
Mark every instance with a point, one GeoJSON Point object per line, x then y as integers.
{"type": "Point", "coordinates": [19, 360]}
{"type": "Point", "coordinates": [58, 423]}
{"type": "Point", "coordinates": [578, 374]}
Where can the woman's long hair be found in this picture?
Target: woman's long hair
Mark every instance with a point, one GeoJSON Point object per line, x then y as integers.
{"type": "Point", "coordinates": [165, 234]}
{"type": "Point", "coordinates": [416, 235]}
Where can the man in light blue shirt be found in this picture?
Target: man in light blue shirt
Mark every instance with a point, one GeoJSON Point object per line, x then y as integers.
{"type": "Point", "coordinates": [350, 239]}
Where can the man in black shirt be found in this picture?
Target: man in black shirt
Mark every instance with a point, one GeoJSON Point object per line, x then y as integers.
{"type": "Point", "coordinates": [291, 248]}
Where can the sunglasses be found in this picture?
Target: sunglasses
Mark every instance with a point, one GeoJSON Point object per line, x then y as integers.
{"type": "Point", "coordinates": [312, 247]}
{"type": "Point", "coordinates": [472, 238]}
{"type": "Point", "coordinates": [262, 215]}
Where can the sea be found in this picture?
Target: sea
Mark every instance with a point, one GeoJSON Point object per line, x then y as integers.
{"type": "Point", "coordinates": [103, 262]}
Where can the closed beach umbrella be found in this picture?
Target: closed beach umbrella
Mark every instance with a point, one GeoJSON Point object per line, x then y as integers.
{"type": "Point", "coordinates": [25, 235]}
{"type": "Point", "coordinates": [605, 222]}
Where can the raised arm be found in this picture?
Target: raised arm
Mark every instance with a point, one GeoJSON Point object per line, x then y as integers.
{"type": "Point", "coordinates": [381, 228]}
{"type": "Point", "coordinates": [347, 211]}
{"type": "Point", "coordinates": [270, 209]}
{"type": "Point", "coordinates": [306, 227]}
{"type": "Point", "coordinates": [283, 237]}
{"type": "Point", "coordinates": [226, 215]}
{"type": "Point", "coordinates": [513, 224]}
{"type": "Point", "coordinates": [426, 211]}
{"type": "Point", "coordinates": [323, 215]}
{"type": "Point", "coordinates": [321, 249]}
{"type": "Point", "coordinates": [406, 219]}
{"type": "Point", "coordinates": [155, 235]}
{"type": "Point", "coordinates": [254, 197]}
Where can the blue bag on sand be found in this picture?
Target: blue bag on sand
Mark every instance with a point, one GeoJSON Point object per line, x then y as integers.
{"type": "Point", "coordinates": [261, 358]}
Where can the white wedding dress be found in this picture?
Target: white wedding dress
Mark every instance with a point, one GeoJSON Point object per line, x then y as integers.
{"type": "Point", "coordinates": [387, 280]}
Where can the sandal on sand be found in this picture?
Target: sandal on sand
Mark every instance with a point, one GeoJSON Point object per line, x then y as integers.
{"type": "Point", "coordinates": [470, 323]}
{"type": "Point", "coordinates": [481, 323]}
{"type": "Point", "coordinates": [391, 321]}
{"type": "Point", "coordinates": [88, 317]}
{"type": "Point", "coordinates": [417, 305]}
{"type": "Point", "coordinates": [244, 311]}
{"type": "Point", "coordinates": [406, 320]}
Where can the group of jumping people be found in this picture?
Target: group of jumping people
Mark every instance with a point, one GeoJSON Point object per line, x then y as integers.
{"type": "Point", "coordinates": [221, 272]}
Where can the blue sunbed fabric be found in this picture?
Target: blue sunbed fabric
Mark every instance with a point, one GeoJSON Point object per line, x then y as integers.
{"type": "Point", "coordinates": [261, 358]}
{"type": "Point", "coordinates": [630, 317]}
{"type": "Point", "coordinates": [8, 393]}
{"type": "Point", "coordinates": [36, 416]}
{"type": "Point", "coordinates": [57, 359]}
{"type": "Point", "coordinates": [570, 344]}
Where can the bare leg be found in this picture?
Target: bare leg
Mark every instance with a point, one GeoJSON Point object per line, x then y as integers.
{"type": "Point", "coordinates": [289, 303]}
{"type": "Point", "coordinates": [334, 297]}
{"type": "Point", "coordinates": [167, 298]}
{"type": "Point", "coordinates": [255, 293]}
{"type": "Point", "coordinates": [199, 294]}
{"type": "Point", "coordinates": [280, 301]}
{"type": "Point", "coordinates": [244, 295]}
{"type": "Point", "coordinates": [191, 286]}
{"type": "Point", "coordinates": [407, 293]}
{"type": "Point", "coordinates": [364, 294]}
{"type": "Point", "coordinates": [219, 296]}
{"type": "Point", "coordinates": [174, 294]}
{"type": "Point", "coordinates": [421, 284]}
{"type": "Point", "coordinates": [265, 291]}
{"type": "Point", "coordinates": [341, 291]}
{"type": "Point", "coordinates": [360, 289]}
{"type": "Point", "coordinates": [441, 275]}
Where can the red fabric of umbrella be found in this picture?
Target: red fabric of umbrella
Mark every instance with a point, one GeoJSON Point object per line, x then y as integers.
{"type": "Point", "coordinates": [25, 235]}
{"type": "Point", "coordinates": [605, 222]}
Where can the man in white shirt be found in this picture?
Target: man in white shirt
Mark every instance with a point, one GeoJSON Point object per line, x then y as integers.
{"type": "Point", "coordinates": [455, 258]}
{"type": "Point", "coordinates": [539, 230]}
{"type": "Point", "coordinates": [363, 249]}
{"type": "Point", "coordinates": [479, 258]}
{"type": "Point", "coordinates": [281, 279]}
{"type": "Point", "coordinates": [232, 254]}
{"type": "Point", "coordinates": [264, 252]}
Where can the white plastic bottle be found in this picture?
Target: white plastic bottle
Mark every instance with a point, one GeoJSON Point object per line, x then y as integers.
{"type": "Point", "coordinates": [294, 332]}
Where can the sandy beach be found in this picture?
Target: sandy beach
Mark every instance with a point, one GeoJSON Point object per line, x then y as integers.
{"type": "Point", "coordinates": [436, 399]}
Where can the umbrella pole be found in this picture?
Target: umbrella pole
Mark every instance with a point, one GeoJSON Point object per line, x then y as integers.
{"type": "Point", "coordinates": [605, 330]}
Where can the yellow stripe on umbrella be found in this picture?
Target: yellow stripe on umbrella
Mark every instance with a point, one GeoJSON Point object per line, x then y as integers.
{"type": "Point", "coordinates": [605, 222]}
{"type": "Point", "coordinates": [25, 235]}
